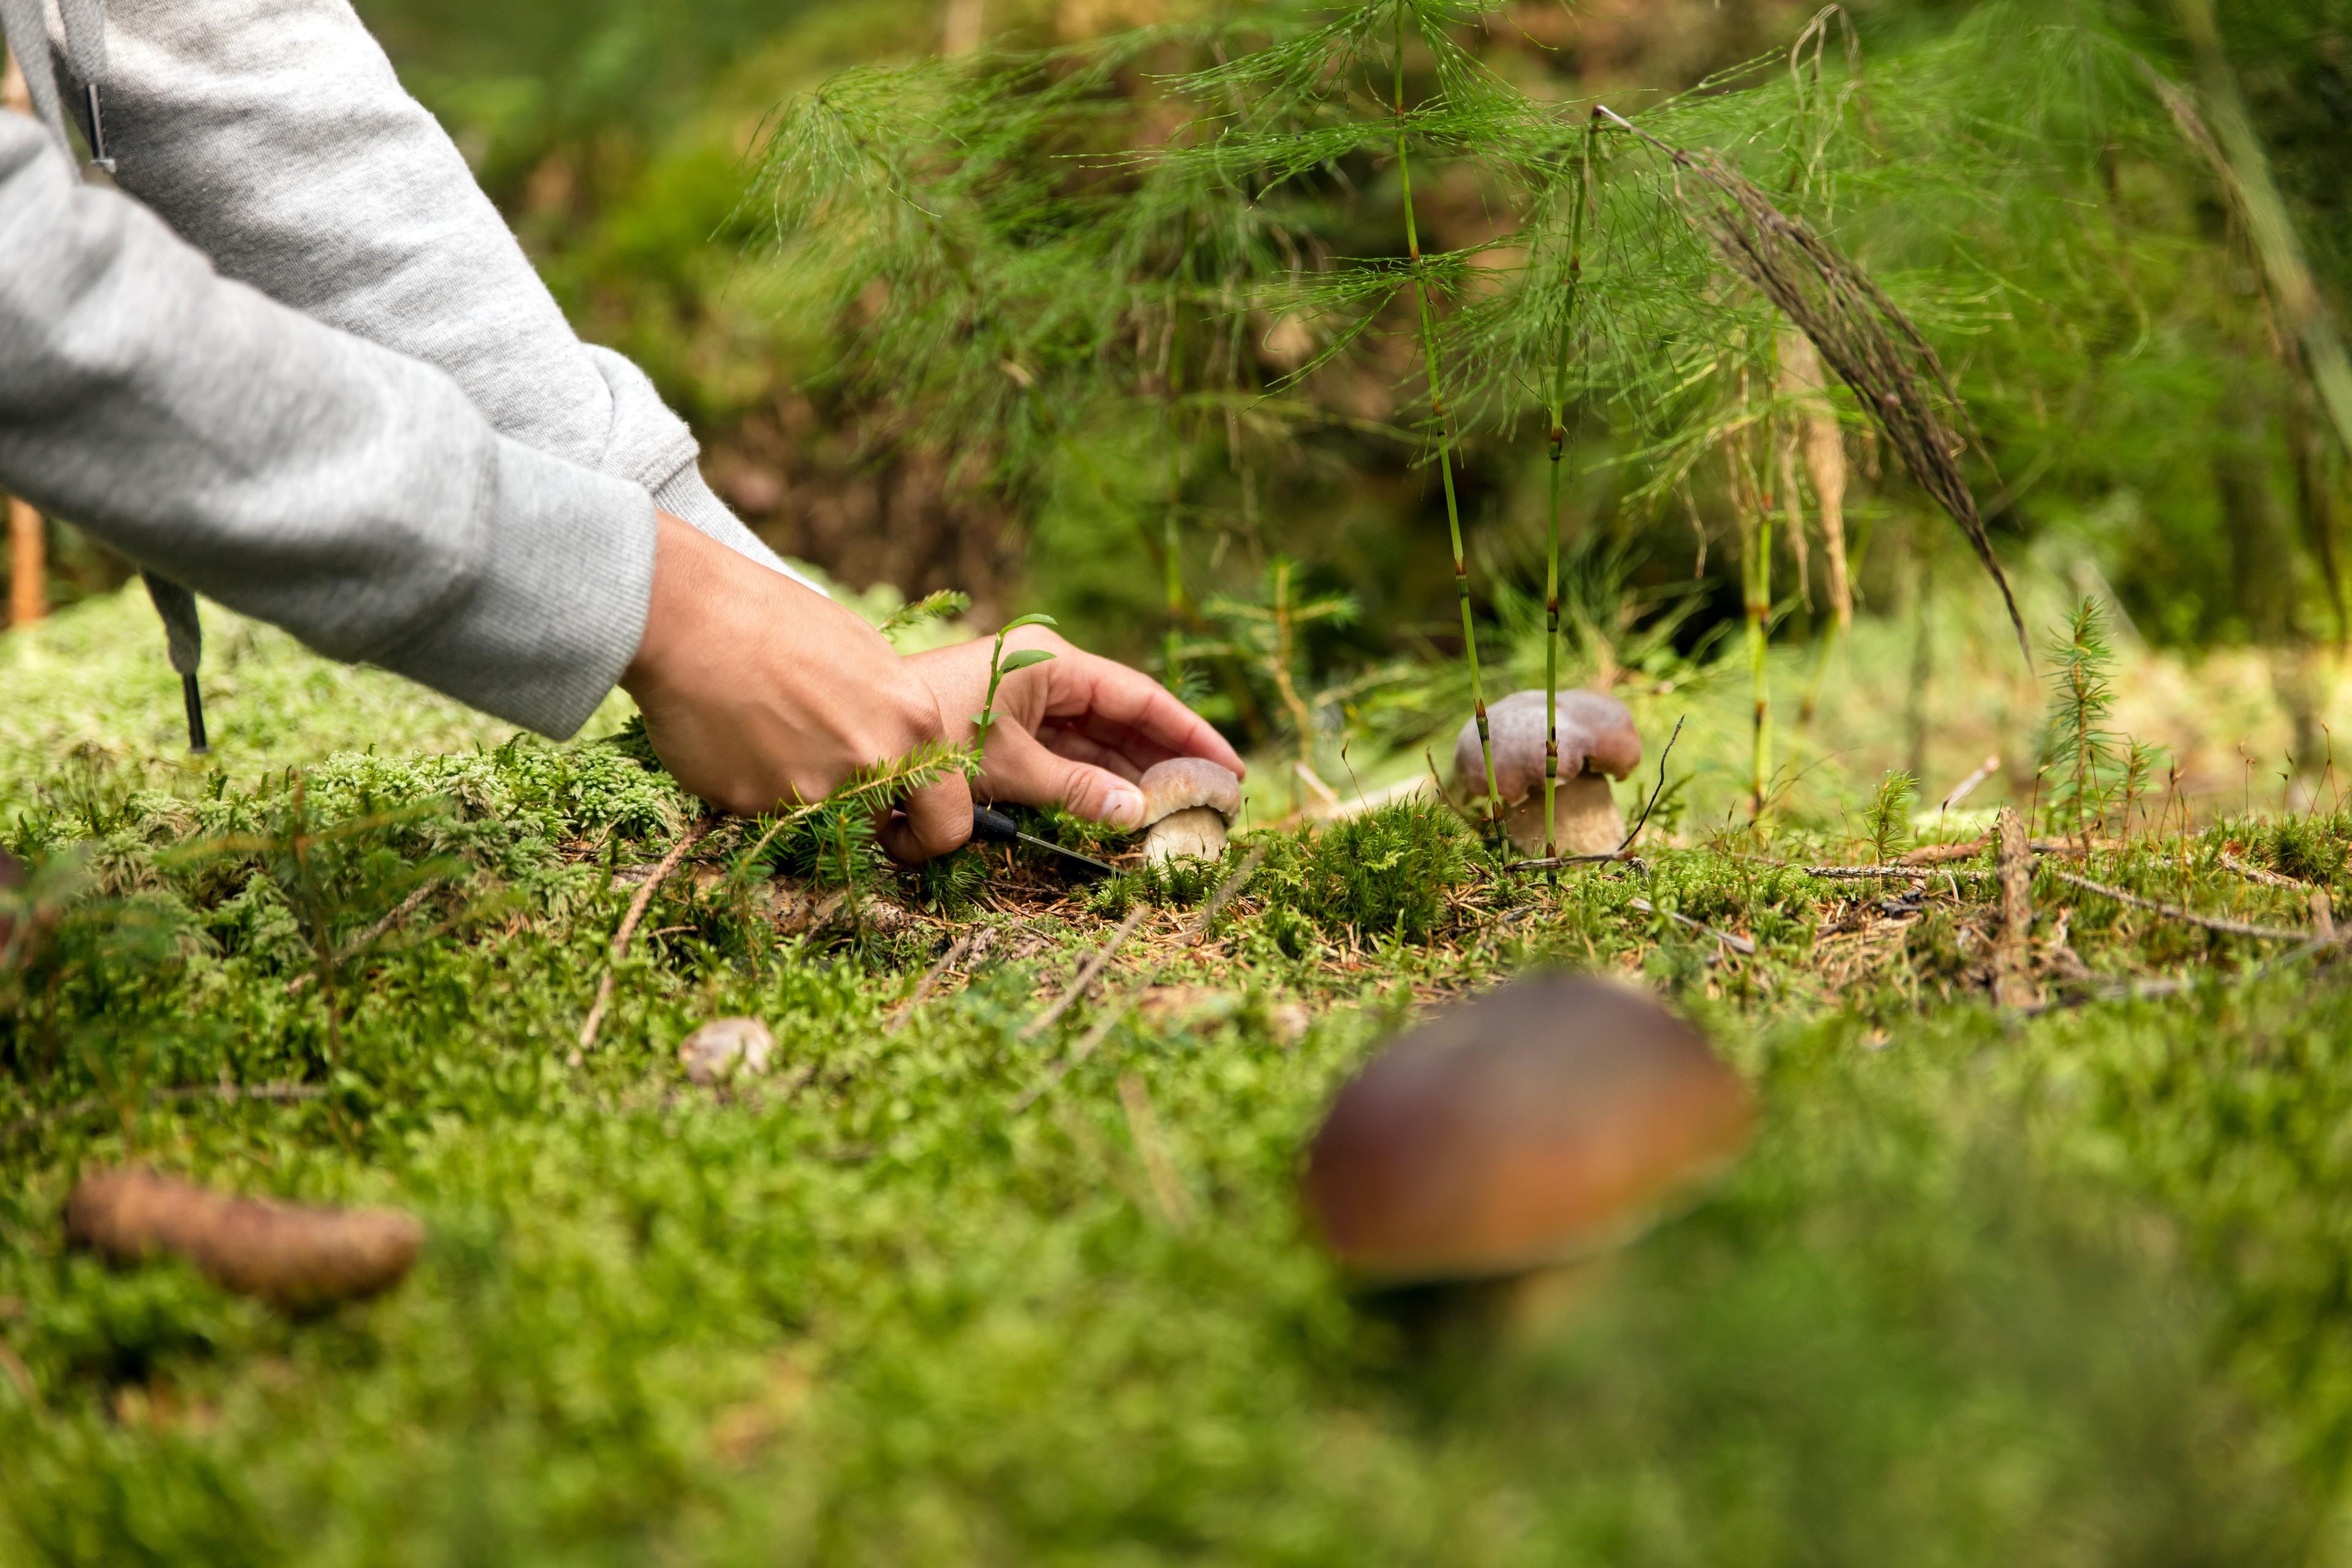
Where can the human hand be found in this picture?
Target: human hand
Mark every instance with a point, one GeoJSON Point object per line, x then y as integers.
{"type": "Point", "coordinates": [1076, 730]}
{"type": "Point", "coordinates": [758, 691]}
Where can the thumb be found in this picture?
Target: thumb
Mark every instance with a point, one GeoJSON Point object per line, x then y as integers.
{"type": "Point", "coordinates": [1026, 773]}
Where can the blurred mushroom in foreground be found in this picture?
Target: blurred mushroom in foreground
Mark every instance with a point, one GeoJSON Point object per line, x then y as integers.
{"type": "Point", "coordinates": [1597, 743]}
{"type": "Point", "coordinates": [1188, 803]}
{"type": "Point", "coordinates": [1541, 1123]}
{"type": "Point", "coordinates": [298, 1257]}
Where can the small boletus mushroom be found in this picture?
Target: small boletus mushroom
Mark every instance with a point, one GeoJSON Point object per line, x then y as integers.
{"type": "Point", "coordinates": [1538, 1125]}
{"type": "Point", "coordinates": [726, 1048]}
{"type": "Point", "coordinates": [1597, 743]}
{"type": "Point", "coordinates": [1188, 803]}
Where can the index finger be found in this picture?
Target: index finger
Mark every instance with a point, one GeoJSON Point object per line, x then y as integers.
{"type": "Point", "coordinates": [1110, 695]}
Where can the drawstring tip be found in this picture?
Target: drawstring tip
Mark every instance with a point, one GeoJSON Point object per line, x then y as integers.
{"type": "Point", "coordinates": [197, 745]}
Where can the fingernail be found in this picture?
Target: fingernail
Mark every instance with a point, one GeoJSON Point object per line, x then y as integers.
{"type": "Point", "coordinates": [1123, 808]}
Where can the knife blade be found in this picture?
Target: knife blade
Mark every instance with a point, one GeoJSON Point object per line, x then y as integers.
{"type": "Point", "coordinates": [992, 826]}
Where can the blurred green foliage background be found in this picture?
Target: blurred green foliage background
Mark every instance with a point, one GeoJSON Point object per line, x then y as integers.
{"type": "Point", "coordinates": [2149, 422]}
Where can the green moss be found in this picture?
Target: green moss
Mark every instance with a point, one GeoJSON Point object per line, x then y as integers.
{"type": "Point", "coordinates": [2057, 1291]}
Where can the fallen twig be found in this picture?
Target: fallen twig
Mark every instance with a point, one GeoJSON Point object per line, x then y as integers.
{"type": "Point", "coordinates": [1226, 892]}
{"type": "Point", "coordinates": [1084, 977]}
{"type": "Point", "coordinates": [1891, 872]}
{"type": "Point", "coordinates": [1554, 862]}
{"type": "Point", "coordinates": [1658, 789]}
{"type": "Point", "coordinates": [2253, 873]}
{"type": "Point", "coordinates": [2174, 912]}
{"type": "Point", "coordinates": [637, 907]}
{"type": "Point", "coordinates": [1738, 944]}
{"type": "Point", "coordinates": [931, 976]}
{"type": "Point", "coordinates": [1094, 1038]}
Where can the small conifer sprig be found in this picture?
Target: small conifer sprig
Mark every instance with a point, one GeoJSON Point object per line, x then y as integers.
{"type": "Point", "coordinates": [2079, 753]}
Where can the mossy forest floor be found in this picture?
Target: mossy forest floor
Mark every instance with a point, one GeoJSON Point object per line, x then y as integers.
{"type": "Point", "coordinates": [2071, 1285]}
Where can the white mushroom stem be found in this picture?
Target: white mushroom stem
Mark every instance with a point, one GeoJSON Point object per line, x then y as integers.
{"type": "Point", "coordinates": [1585, 817]}
{"type": "Point", "coordinates": [1198, 834]}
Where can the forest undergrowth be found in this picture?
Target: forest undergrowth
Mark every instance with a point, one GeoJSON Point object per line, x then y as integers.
{"type": "Point", "coordinates": [993, 1264]}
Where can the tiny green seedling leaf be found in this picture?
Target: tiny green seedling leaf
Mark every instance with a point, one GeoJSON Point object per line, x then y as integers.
{"type": "Point", "coordinates": [1024, 659]}
{"type": "Point", "coordinates": [1029, 620]}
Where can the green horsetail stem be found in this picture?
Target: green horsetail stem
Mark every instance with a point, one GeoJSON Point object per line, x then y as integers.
{"type": "Point", "coordinates": [1171, 543]}
{"type": "Point", "coordinates": [1445, 439]}
{"type": "Point", "coordinates": [1755, 541]}
{"type": "Point", "coordinates": [1559, 453]}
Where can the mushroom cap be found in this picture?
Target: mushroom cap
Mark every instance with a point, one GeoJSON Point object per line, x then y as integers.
{"type": "Point", "coordinates": [1548, 1119]}
{"type": "Point", "coordinates": [1596, 736]}
{"type": "Point", "coordinates": [1187, 784]}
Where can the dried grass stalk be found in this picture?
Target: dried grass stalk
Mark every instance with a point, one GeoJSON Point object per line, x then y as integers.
{"type": "Point", "coordinates": [1823, 445]}
{"type": "Point", "coordinates": [1859, 334]}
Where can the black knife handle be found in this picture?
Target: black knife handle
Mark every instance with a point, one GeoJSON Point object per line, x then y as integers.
{"type": "Point", "coordinates": [991, 825]}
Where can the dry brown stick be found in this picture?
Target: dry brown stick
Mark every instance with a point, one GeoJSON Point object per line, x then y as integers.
{"type": "Point", "coordinates": [1738, 944]}
{"type": "Point", "coordinates": [226, 1093]}
{"type": "Point", "coordinates": [2253, 873]}
{"type": "Point", "coordinates": [1226, 892]}
{"type": "Point", "coordinates": [2175, 912]}
{"type": "Point", "coordinates": [1086, 972]}
{"type": "Point", "coordinates": [2012, 984]}
{"type": "Point", "coordinates": [931, 977]}
{"type": "Point", "coordinates": [1896, 873]}
{"type": "Point", "coordinates": [637, 907]}
{"type": "Point", "coordinates": [1094, 1038]}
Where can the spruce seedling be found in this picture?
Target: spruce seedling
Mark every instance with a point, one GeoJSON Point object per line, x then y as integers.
{"type": "Point", "coordinates": [1888, 821]}
{"type": "Point", "coordinates": [2076, 746]}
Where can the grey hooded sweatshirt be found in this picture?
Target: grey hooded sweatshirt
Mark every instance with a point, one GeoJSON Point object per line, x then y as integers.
{"type": "Point", "coordinates": [309, 372]}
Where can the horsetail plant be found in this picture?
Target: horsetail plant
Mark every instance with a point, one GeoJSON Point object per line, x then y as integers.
{"type": "Point", "coordinates": [1559, 454]}
{"type": "Point", "coordinates": [1442, 419]}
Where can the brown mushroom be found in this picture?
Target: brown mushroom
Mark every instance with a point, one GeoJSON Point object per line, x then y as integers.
{"type": "Point", "coordinates": [1597, 743]}
{"type": "Point", "coordinates": [296, 1257]}
{"type": "Point", "coordinates": [1188, 803]}
{"type": "Point", "coordinates": [1543, 1122]}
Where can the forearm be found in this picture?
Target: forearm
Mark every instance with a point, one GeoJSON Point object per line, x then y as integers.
{"type": "Point", "coordinates": [274, 135]}
{"type": "Point", "coordinates": [293, 472]}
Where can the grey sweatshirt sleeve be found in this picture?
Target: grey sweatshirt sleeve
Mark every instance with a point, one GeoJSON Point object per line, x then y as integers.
{"type": "Point", "coordinates": [274, 135]}
{"type": "Point", "coordinates": [299, 473]}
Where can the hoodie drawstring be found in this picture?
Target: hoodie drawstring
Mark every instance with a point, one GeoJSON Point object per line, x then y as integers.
{"type": "Point", "coordinates": [23, 22]}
